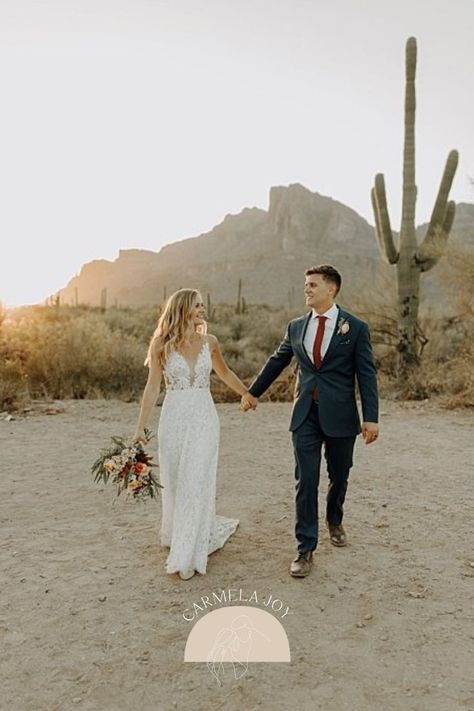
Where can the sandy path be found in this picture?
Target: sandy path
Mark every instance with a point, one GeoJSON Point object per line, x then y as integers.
{"type": "Point", "coordinates": [384, 624]}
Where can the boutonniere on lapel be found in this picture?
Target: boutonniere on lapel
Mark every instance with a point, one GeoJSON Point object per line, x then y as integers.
{"type": "Point", "coordinates": [343, 327]}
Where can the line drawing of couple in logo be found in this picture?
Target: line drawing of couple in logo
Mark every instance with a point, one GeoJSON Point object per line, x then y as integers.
{"type": "Point", "coordinates": [233, 644]}
{"type": "Point", "coordinates": [333, 351]}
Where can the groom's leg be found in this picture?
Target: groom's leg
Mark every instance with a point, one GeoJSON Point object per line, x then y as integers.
{"type": "Point", "coordinates": [307, 441]}
{"type": "Point", "coordinates": [338, 453]}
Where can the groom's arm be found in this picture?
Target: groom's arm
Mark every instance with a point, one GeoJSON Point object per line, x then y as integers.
{"type": "Point", "coordinates": [277, 362]}
{"type": "Point", "coordinates": [366, 376]}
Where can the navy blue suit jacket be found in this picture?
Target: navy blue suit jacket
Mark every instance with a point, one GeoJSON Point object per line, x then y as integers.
{"type": "Point", "coordinates": [349, 356]}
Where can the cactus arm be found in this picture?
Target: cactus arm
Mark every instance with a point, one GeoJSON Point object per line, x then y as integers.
{"type": "Point", "coordinates": [434, 242]}
{"type": "Point", "coordinates": [407, 232]}
{"type": "Point", "coordinates": [382, 222]}
{"type": "Point", "coordinates": [378, 227]}
{"type": "Point", "coordinates": [434, 248]}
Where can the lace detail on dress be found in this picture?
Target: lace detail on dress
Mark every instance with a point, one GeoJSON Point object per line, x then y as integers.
{"type": "Point", "coordinates": [221, 530]}
{"type": "Point", "coordinates": [188, 448]}
{"type": "Point", "coordinates": [180, 376]}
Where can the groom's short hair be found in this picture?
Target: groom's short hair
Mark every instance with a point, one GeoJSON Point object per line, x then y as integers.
{"type": "Point", "coordinates": [328, 272]}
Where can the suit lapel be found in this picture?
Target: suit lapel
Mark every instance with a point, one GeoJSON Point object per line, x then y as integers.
{"type": "Point", "coordinates": [335, 338]}
{"type": "Point", "coordinates": [301, 339]}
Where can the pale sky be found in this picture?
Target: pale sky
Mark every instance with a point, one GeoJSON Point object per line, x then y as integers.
{"type": "Point", "coordinates": [133, 123]}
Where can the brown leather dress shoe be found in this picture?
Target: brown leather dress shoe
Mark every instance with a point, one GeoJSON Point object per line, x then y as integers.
{"type": "Point", "coordinates": [301, 565]}
{"type": "Point", "coordinates": [337, 535]}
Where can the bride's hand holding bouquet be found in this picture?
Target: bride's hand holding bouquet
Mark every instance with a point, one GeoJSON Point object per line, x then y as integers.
{"type": "Point", "coordinates": [129, 465]}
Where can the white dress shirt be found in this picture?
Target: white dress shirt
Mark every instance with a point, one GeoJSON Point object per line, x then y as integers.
{"type": "Point", "coordinates": [329, 326]}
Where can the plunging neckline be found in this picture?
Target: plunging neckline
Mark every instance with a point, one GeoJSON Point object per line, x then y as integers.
{"type": "Point", "coordinates": [192, 370]}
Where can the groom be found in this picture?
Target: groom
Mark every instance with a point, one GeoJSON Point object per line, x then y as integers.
{"type": "Point", "coordinates": [332, 347]}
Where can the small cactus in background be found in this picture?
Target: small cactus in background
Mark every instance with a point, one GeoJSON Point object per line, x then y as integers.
{"type": "Point", "coordinates": [103, 298]}
{"type": "Point", "coordinates": [291, 298]}
{"type": "Point", "coordinates": [165, 291]}
{"type": "Point", "coordinates": [238, 308]}
{"type": "Point", "coordinates": [410, 258]}
{"type": "Point", "coordinates": [76, 296]}
{"type": "Point", "coordinates": [211, 312]}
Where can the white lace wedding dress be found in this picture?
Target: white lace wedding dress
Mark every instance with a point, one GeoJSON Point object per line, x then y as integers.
{"type": "Point", "coordinates": [188, 444]}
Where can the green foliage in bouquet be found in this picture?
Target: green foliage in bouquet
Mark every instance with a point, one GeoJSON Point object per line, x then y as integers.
{"type": "Point", "coordinates": [130, 467]}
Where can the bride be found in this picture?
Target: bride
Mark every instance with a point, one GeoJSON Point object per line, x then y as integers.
{"type": "Point", "coordinates": [183, 354]}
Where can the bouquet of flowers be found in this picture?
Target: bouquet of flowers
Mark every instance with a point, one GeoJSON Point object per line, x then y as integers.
{"type": "Point", "coordinates": [129, 466]}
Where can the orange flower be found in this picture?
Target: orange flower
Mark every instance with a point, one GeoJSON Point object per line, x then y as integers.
{"type": "Point", "coordinates": [132, 485]}
{"type": "Point", "coordinates": [141, 468]}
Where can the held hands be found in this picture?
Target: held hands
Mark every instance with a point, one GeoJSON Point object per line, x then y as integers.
{"type": "Point", "coordinates": [370, 431]}
{"type": "Point", "coordinates": [248, 402]}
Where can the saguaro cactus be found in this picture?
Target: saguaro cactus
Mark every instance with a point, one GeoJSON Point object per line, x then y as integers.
{"type": "Point", "coordinates": [211, 311]}
{"type": "Point", "coordinates": [411, 258]}
{"type": "Point", "coordinates": [291, 297]}
{"type": "Point", "coordinates": [238, 307]}
{"type": "Point", "coordinates": [103, 299]}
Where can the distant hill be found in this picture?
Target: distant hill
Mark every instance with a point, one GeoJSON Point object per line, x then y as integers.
{"type": "Point", "coordinates": [267, 250]}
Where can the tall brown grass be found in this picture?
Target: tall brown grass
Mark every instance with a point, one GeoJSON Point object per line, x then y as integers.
{"type": "Point", "coordinates": [60, 352]}
{"type": "Point", "coordinates": [83, 352]}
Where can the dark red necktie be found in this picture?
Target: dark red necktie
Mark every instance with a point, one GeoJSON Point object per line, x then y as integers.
{"type": "Point", "coordinates": [318, 340]}
{"type": "Point", "coordinates": [317, 349]}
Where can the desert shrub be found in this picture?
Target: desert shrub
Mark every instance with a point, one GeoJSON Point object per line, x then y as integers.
{"type": "Point", "coordinates": [59, 356]}
{"type": "Point", "coordinates": [452, 381]}
{"type": "Point", "coordinates": [139, 323]}
{"type": "Point", "coordinates": [13, 387]}
{"type": "Point", "coordinates": [83, 352]}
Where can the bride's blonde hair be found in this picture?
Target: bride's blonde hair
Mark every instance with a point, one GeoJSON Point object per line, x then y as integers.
{"type": "Point", "coordinates": [175, 325]}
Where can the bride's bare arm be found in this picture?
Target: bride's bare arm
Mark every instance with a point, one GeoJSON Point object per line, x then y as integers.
{"type": "Point", "coordinates": [150, 396]}
{"type": "Point", "coordinates": [222, 370]}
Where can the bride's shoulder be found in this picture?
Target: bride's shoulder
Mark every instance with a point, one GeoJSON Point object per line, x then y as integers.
{"type": "Point", "coordinates": [212, 341]}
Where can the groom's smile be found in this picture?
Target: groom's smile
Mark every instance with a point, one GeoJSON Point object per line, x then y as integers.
{"type": "Point", "coordinates": [319, 293]}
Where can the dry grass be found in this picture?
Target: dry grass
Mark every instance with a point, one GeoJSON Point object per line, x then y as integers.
{"type": "Point", "coordinates": [82, 352]}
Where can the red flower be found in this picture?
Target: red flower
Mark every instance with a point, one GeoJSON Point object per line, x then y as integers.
{"type": "Point", "coordinates": [140, 467]}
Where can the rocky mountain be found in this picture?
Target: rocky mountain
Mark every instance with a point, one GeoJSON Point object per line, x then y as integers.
{"type": "Point", "coordinates": [267, 250]}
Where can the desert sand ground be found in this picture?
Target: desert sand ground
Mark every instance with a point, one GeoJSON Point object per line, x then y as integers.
{"type": "Point", "coordinates": [384, 624]}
